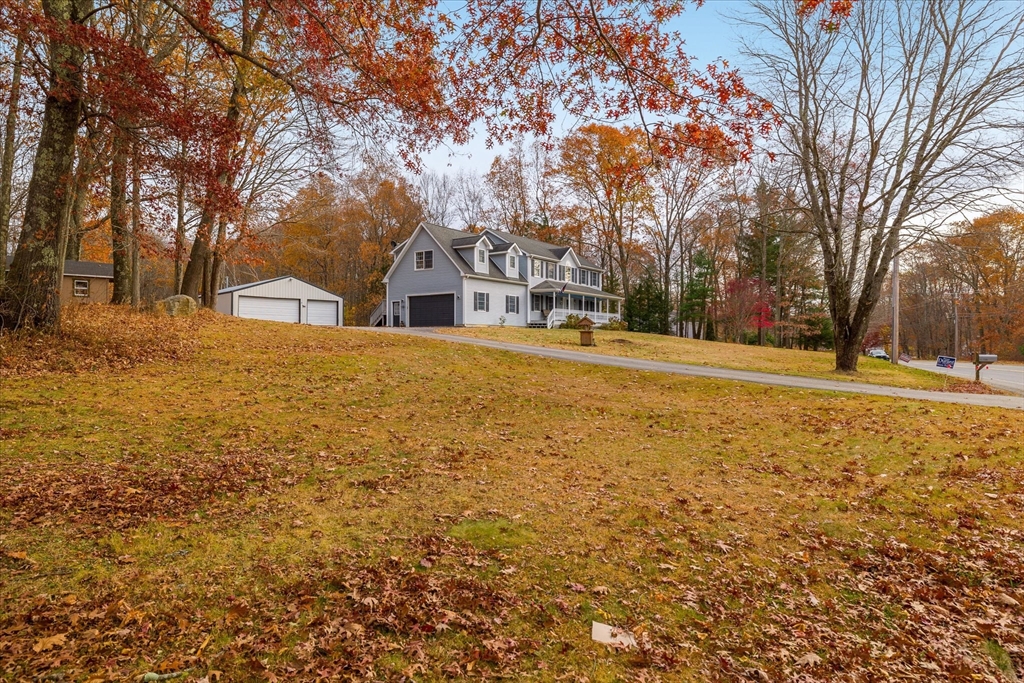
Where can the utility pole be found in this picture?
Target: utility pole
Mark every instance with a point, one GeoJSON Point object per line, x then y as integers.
{"type": "Point", "coordinates": [894, 357]}
{"type": "Point", "coordinates": [956, 328]}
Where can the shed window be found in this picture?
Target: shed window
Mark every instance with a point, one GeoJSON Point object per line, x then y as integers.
{"type": "Point", "coordinates": [481, 301]}
{"type": "Point", "coordinates": [425, 260]}
{"type": "Point", "coordinates": [511, 304]}
{"type": "Point", "coordinates": [81, 288]}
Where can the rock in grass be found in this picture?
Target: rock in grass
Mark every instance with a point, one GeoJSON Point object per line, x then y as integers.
{"type": "Point", "coordinates": [176, 305]}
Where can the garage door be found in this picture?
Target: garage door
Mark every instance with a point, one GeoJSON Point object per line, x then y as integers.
{"type": "Point", "coordinates": [266, 308]}
{"type": "Point", "coordinates": [322, 312]}
{"type": "Point", "coordinates": [437, 310]}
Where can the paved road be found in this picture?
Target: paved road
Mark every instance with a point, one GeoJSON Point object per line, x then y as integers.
{"type": "Point", "coordinates": [1005, 377]}
{"type": "Point", "coordinates": [983, 400]}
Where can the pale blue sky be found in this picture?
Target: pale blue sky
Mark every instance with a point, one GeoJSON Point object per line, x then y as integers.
{"type": "Point", "coordinates": [709, 36]}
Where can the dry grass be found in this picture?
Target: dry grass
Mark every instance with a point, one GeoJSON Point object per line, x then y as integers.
{"type": "Point", "coordinates": [721, 355]}
{"type": "Point", "coordinates": [300, 503]}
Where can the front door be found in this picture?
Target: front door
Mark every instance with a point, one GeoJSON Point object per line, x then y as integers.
{"type": "Point", "coordinates": [396, 314]}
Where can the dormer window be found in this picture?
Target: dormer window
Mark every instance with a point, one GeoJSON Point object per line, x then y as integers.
{"type": "Point", "coordinates": [481, 255]}
{"type": "Point", "coordinates": [511, 263]}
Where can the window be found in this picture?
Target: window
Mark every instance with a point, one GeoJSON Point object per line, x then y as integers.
{"type": "Point", "coordinates": [481, 256]}
{"type": "Point", "coordinates": [81, 288]}
{"type": "Point", "coordinates": [595, 279]}
{"type": "Point", "coordinates": [537, 266]}
{"type": "Point", "coordinates": [481, 301]}
{"type": "Point", "coordinates": [511, 304]}
{"type": "Point", "coordinates": [511, 263]}
{"type": "Point", "coordinates": [537, 302]}
{"type": "Point", "coordinates": [425, 260]}
{"type": "Point", "coordinates": [561, 273]}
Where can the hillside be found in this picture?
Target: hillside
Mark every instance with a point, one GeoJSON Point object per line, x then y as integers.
{"type": "Point", "coordinates": [284, 502]}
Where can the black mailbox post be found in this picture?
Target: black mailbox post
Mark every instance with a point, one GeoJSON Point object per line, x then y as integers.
{"type": "Point", "coordinates": [982, 360]}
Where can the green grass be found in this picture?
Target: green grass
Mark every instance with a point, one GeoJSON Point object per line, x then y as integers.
{"type": "Point", "coordinates": [293, 502]}
{"type": "Point", "coordinates": [819, 364]}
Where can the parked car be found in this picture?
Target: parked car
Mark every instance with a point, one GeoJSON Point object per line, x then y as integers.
{"type": "Point", "coordinates": [877, 353]}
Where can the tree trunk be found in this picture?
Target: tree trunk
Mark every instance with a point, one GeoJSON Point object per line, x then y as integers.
{"type": "Point", "coordinates": [217, 264]}
{"type": "Point", "coordinates": [32, 297]}
{"type": "Point", "coordinates": [179, 229]}
{"type": "Point", "coordinates": [7, 162]}
{"type": "Point", "coordinates": [136, 226]}
{"type": "Point", "coordinates": [119, 229]}
{"type": "Point", "coordinates": [192, 278]}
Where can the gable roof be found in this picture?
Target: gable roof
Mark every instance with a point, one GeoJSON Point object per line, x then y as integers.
{"type": "Point", "coordinates": [446, 237]}
{"type": "Point", "coordinates": [89, 269]}
{"type": "Point", "coordinates": [82, 268]}
{"type": "Point", "coordinates": [237, 288]}
{"type": "Point", "coordinates": [541, 249]}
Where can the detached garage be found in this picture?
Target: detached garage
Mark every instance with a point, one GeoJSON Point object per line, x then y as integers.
{"type": "Point", "coordinates": [283, 299]}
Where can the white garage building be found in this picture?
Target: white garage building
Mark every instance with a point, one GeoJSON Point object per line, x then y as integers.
{"type": "Point", "coordinates": [284, 299]}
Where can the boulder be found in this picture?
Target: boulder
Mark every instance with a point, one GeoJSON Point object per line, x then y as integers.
{"type": "Point", "coordinates": [176, 305]}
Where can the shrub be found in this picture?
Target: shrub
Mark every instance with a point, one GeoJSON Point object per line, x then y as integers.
{"type": "Point", "coordinates": [615, 325]}
{"type": "Point", "coordinates": [572, 322]}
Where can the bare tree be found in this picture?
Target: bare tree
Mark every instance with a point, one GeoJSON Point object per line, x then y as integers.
{"type": "Point", "coordinates": [437, 194]}
{"type": "Point", "coordinates": [908, 113]}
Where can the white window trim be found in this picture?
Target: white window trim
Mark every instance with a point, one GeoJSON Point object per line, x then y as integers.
{"type": "Point", "coordinates": [486, 301]}
{"type": "Point", "coordinates": [74, 288]}
{"type": "Point", "coordinates": [512, 304]}
{"type": "Point", "coordinates": [481, 255]}
{"type": "Point", "coordinates": [421, 257]}
{"type": "Point", "coordinates": [511, 262]}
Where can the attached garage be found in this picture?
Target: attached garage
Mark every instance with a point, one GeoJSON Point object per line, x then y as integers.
{"type": "Point", "coordinates": [284, 299]}
{"type": "Point", "coordinates": [435, 310]}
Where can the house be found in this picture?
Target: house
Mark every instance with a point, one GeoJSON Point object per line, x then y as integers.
{"type": "Point", "coordinates": [284, 299]}
{"type": "Point", "coordinates": [84, 282]}
{"type": "Point", "coordinates": [443, 277]}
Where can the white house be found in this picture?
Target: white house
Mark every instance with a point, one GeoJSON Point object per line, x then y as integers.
{"type": "Point", "coordinates": [284, 299]}
{"type": "Point", "coordinates": [443, 277]}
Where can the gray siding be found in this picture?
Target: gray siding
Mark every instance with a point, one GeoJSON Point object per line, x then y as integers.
{"type": "Point", "coordinates": [406, 281]}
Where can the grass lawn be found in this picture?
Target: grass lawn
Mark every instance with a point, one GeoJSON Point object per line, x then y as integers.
{"type": "Point", "coordinates": [721, 355]}
{"type": "Point", "coordinates": [281, 502]}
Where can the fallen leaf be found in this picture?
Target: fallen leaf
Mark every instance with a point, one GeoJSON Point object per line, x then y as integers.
{"type": "Point", "coordinates": [809, 659]}
{"type": "Point", "coordinates": [44, 644]}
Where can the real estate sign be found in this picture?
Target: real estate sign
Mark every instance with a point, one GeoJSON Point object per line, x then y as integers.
{"type": "Point", "coordinates": [945, 362]}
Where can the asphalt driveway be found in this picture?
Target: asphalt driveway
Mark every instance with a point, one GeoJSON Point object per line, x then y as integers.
{"type": "Point", "coordinates": [792, 381]}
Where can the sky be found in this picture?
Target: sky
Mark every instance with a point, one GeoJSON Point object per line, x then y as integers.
{"type": "Point", "coordinates": [708, 34]}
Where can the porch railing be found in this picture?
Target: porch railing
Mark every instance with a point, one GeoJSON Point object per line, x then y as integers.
{"type": "Point", "coordinates": [557, 316]}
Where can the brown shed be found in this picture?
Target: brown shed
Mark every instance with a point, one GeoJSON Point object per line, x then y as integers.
{"type": "Point", "coordinates": [84, 282]}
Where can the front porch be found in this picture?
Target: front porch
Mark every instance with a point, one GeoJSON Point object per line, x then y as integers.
{"type": "Point", "coordinates": [551, 309]}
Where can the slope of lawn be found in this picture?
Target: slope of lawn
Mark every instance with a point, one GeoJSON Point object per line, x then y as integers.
{"type": "Point", "coordinates": [721, 355]}
{"type": "Point", "coordinates": [248, 501]}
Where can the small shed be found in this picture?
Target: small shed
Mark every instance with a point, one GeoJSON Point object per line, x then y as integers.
{"type": "Point", "coordinates": [284, 299]}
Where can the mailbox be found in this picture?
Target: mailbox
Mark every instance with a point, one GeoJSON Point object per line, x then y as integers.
{"type": "Point", "coordinates": [980, 360]}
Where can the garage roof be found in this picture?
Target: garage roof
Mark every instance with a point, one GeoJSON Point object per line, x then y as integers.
{"type": "Point", "coordinates": [237, 288]}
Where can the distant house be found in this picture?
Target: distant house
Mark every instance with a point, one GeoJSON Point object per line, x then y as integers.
{"type": "Point", "coordinates": [443, 277]}
{"type": "Point", "coordinates": [284, 299]}
{"type": "Point", "coordinates": [84, 282]}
